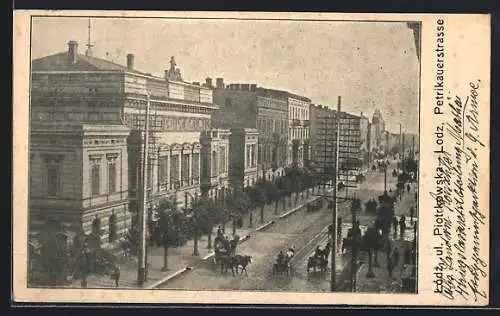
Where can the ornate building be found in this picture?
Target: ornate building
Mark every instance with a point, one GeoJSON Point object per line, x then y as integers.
{"type": "Point", "coordinates": [87, 134]}
{"type": "Point", "coordinates": [249, 106]}
{"type": "Point", "coordinates": [298, 133]}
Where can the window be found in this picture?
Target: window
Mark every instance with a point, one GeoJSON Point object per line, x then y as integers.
{"type": "Point", "coordinates": [195, 167]}
{"type": "Point", "coordinates": [254, 155]}
{"type": "Point", "coordinates": [185, 169]}
{"type": "Point", "coordinates": [162, 170]}
{"type": "Point", "coordinates": [174, 170]}
{"type": "Point", "coordinates": [222, 160]}
{"type": "Point", "coordinates": [111, 176]}
{"type": "Point", "coordinates": [248, 160]}
{"type": "Point", "coordinates": [214, 163]}
{"type": "Point", "coordinates": [95, 178]}
{"type": "Point", "coordinates": [112, 228]}
{"type": "Point", "coordinates": [53, 180]}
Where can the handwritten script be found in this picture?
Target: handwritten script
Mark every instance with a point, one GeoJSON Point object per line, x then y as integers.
{"type": "Point", "coordinates": [458, 219]}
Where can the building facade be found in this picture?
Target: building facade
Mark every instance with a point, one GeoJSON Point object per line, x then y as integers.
{"type": "Point", "coordinates": [298, 131]}
{"type": "Point", "coordinates": [89, 114]}
{"type": "Point", "coordinates": [249, 106]}
{"type": "Point", "coordinates": [324, 138]}
{"type": "Point", "coordinates": [243, 157]}
{"type": "Point", "coordinates": [215, 162]}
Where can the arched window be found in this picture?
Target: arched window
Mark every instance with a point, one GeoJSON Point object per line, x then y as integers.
{"type": "Point", "coordinates": [112, 228]}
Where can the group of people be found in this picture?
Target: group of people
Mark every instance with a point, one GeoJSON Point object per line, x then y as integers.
{"type": "Point", "coordinates": [284, 257]}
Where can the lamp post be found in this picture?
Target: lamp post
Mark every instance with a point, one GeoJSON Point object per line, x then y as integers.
{"type": "Point", "coordinates": [141, 271]}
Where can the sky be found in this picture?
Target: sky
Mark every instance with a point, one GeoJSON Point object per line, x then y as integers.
{"type": "Point", "coordinates": [369, 64]}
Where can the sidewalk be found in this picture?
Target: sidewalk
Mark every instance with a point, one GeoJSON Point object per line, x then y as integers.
{"type": "Point", "coordinates": [182, 257]}
{"type": "Point", "coordinates": [382, 282]}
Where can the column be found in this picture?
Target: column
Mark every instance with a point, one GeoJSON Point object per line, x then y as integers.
{"type": "Point", "coordinates": [179, 168]}
{"type": "Point", "coordinates": [190, 169]}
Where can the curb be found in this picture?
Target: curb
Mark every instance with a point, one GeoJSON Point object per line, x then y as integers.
{"type": "Point", "coordinates": [297, 208]}
{"type": "Point", "coordinates": [266, 225]}
{"type": "Point", "coordinates": [187, 269]}
{"type": "Point", "coordinates": [170, 277]}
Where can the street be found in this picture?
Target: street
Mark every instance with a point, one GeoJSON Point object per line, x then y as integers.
{"type": "Point", "coordinates": [304, 231]}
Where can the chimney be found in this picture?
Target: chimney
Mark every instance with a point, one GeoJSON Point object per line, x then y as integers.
{"type": "Point", "coordinates": [208, 82]}
{"type": "Point", "coordinates": [130, 61]}
{"type": "Point", "coordinates": [219, 83]}
{"type": "Point", "coordinates": [72, 51]}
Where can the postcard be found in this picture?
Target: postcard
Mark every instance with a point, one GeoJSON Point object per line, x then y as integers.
{"type": "Point", "coordinates": [251, 158]}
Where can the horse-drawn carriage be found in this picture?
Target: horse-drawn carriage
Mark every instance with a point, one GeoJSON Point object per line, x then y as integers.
{"type": "Point", "coordinates": [320, 259]}
{"type": "Point", "coordinates": [224, 251]}
{"type": "Point", "coordinates": [283, 263]}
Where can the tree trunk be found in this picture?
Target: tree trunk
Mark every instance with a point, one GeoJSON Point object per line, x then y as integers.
{"type": "Point", "coordinates": [284, 203]}
{"type": "Point", "coordinates": [195, 247]}
{"type": "Point", "coordinates": [234, 226]}
{"type": "Point", "coordinates": [165, 256]}
{"type": "Point", "coordinates": [209, 237]}
{"type": "Point", "coordinates": [376, 263]}
{"type": "Point", "coordinates": [370, 273]}
{"type": "Point", "coordinates": [262, 214]}
{"type": "Point", "coordinates": [276, 208]}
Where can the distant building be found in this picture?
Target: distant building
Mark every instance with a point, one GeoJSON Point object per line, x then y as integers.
{"type": "Point", "coordinates": [86, 141]}
{"type": "Point", "coordinates": [364, 147]}
{"type": "Point", "coordinates": [298, 123]}
{"type": "Point", "coordinates": [249, 106]}
{"type": "Point", "coordinates": [243, 153]}
{"type": "Point", "coordinates": [323, 137]}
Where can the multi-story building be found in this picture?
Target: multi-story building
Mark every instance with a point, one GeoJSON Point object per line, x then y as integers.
{"type": "Point", "coordinates": [249, 106]}
{"type": "Point", "coordinates": [377, 131]}
{"type": "Point", "coordinates": [298, 129]}
{"type": "Point", "coordinates": [87, 134]}
{"type": "Point", "coordinates": [243, 156]}
{"type": "Point", "coordinates": [364, 138]}
{"type": "Point", "coordinates": [215, 162]}
{"type": "Point", "coordinates": [324, 138]}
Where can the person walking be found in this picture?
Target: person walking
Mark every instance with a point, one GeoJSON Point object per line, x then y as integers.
{"type": "Point", "coordinates": [402, 226]}
{"type": "Point", "coordinates": [390, 267]}
{"type": "Point", "coordinates": [395, 226]}
{"type": "Point", "coordinates": [115, 275]}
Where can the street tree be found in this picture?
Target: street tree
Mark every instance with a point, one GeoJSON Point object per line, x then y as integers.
{"type": "Point", "coordinates": [203, 220]}
{"type": "Point", "coordinates": [238, 204]}
{"type": "Point", "coordinates": [273, 194]}
{"type": "Point", "coordinates": [258, 197]}
{"type": "Point", "coordinates": [170, 231]}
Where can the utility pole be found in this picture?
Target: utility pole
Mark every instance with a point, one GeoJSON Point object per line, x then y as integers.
{"type": "Point", "coordinates": [141, 271]}
{"type": "Point", "coordinates": [334, 210]}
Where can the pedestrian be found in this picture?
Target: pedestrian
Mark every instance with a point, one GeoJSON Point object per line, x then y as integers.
{"type": "Point", "coordinates": [339, 227]}
{"type": "Point", "coordinates": [395, 257]}
{"type": "Point", "coordinates": [408, 187]}
{"type": "Point", "coordinates": [390, 267]}
{"type": "Point", "coordinates": [402, 226]}
{"type": "Point", "coordinates": [395, 225]}
{"type": "Point", "coordinates": [219, 232]}
{"type": "Point", "coordinates": [115, 275]}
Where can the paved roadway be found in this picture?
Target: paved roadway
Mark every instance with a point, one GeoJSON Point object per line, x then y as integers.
{"type": "Point", "coordinates": [301, 229]}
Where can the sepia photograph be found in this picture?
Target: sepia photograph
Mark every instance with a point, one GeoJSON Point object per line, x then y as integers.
{"type": "Point", "coordinates": [223, 154]}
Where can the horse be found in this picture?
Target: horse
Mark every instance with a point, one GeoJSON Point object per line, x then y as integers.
{"type": "Point", "coordinates": [240, 260]}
